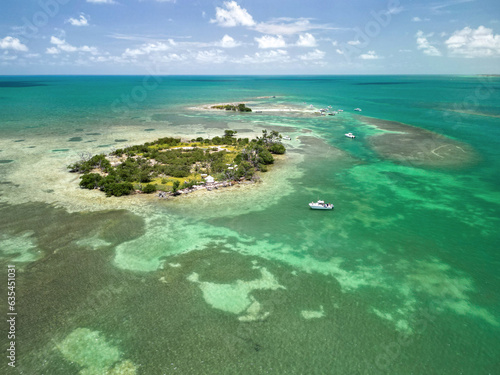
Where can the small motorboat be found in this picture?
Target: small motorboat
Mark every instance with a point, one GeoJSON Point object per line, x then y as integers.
{"type": "Point", "coordinates": [350, 135]}
{"type": "Point", "coordinates": [287, 138]}
{"type": "Point", "coordinates": [357, 109]}
{"type": "Point", "coordinates": [321, 205]}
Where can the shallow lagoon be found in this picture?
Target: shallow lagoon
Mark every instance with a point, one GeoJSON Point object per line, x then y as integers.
{"type": "Point", "coordinates": [248, 279]}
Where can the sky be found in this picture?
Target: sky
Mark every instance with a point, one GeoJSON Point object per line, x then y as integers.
{"type": "Point", "coordinates": [249, 37]}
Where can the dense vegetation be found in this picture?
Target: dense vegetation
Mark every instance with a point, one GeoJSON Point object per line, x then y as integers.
{"type": "Point", "coordinates": [164, 163]}
{"type": "Point", "coordinates": [229, 107]}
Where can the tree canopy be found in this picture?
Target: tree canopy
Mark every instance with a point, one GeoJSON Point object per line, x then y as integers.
{"type": "Point", "coordinates": [160, 162]}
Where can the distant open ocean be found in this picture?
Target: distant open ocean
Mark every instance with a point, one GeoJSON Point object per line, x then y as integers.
{"type": "Point", "coordinates": [402, 277]}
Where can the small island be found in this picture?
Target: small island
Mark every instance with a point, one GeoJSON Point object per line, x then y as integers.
{"type": "Point", "coordinates": [171, 166]}
{"type": "Point", "coordinates": [232, 107]}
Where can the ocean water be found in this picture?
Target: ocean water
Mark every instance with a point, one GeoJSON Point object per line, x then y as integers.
{"type": "Point", "coordinates": [401, 278]}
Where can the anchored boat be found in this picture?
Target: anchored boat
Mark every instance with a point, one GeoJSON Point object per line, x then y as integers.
{"type": "Point", "coordinates": [321, 205]}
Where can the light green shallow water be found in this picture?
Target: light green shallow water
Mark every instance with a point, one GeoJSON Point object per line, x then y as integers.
{"type": "Point", "coordinates": [400, 278]}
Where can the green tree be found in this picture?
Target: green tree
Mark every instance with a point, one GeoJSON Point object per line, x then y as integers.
{"type": "Point", "coordinates": [117, 188]}
{"type": "Point", "coordinates": [91, 181]}
{"type": "Point", "coordinates": [175, 187]}
{"type": "Point", "coordinates": [229, 133]}
{"type": "Point", "coordinates": [277, 148]}
{"type": "Point", "coordinates": [265, 157]}
{"type": "Point", "coordinates": [243, 108]}
{"type": "Point", "coordinates": [149, 188]}
{"type": "Point", "coordinates": [245, 169]}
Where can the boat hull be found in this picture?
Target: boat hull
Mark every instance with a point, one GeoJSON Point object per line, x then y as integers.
{"type": "Point", "coordinates": [330, 207]}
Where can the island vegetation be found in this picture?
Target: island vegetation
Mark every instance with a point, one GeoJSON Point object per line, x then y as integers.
{"type": "Point", "coordinates": [232, 107]}
{"type": "Point", "coordinates": [170, 165]}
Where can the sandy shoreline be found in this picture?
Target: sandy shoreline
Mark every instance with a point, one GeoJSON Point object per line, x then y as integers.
{"type": "Point", "coordinates": [259, 107]}
{"type": "Point", "coordinates": [40, 174]}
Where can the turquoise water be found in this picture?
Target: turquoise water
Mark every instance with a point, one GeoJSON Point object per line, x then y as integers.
{"type": "Point", "coordinates": [400, 278]}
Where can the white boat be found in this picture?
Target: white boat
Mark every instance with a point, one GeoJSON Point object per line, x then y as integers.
{"type": "Point", "coordinates": [350, 135]}
{"type": "Point", "coordinates": [321, 205]}
{"type": "Point", "coordinates": [287, 138]}
{"type": "Point", "coordinates": [357, 109]}
{"type": "Point", "coordinates": [340, 110]}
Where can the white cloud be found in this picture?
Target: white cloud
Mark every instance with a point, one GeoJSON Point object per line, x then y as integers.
{"type": "Point", "coordinates": [288, 26]}
{"type": "Point", "coordinates": [418, 19]}
{"type": "Point", "coordinates": [370, 55]}
{"type": "Point", "coordinates": [10, 42]}
{"type": "Point", "coordinates": [213, 56]}
{"type": "Point", "coordinates": [470, 43]}
{"type": "Point", "coordinates": [339, 51]}
{"type": "Point", "coordinates": [62, 45]}
{"type": "Point", "coordinates": [306, 40]}
{"type": "Point", "coordinates": [52, 51]}
{"type": "Point", "coordinates": [7, 57]}
{"type": "Point", "coordinates": [425, 46]}
{"type": "Point", "coordinates": [335, 43]}
{"type": "Point", "coordinates": [394, 10]}
{"type": "Point", "coordinates": [146, 49]}
{"type": "Point", "coordinates": [228, 42]}
{"type": "Point", "coordinates": [91, 50]}
{"type": "Point", "coordinates": [354, 42]}
{"type": "Point", "coordinates": [232, 15]}
{"type": "Point", "coordinates": [173, 57]}
{"type": "Point", "coordinates": [278, 56]}
{"type": "Point", "coordinates": [268, 41]}
{"type": "Point", "coordinates": [314, 55]}
{"type": "Point", "coordinates": [440, 8]}
{"type": "Point", "coordinates": [82, 21]}
{"type": "Point", "coordinates": [56, 40]}
{"type": "Point", "coordinates": [101, 1]}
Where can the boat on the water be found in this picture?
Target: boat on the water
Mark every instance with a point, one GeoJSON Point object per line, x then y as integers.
{"type": "Point", "coordinates": [350, 135]}
{"type": "Point", "coordinates": [357, 109]}
{"type": "Point", "coordinates": [321, 205]}
{"type": "Point", "coordinates": [287, 138]}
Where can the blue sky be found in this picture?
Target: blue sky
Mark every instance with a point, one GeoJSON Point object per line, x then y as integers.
{"type": "Point", "coordinates": [249, 37]}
